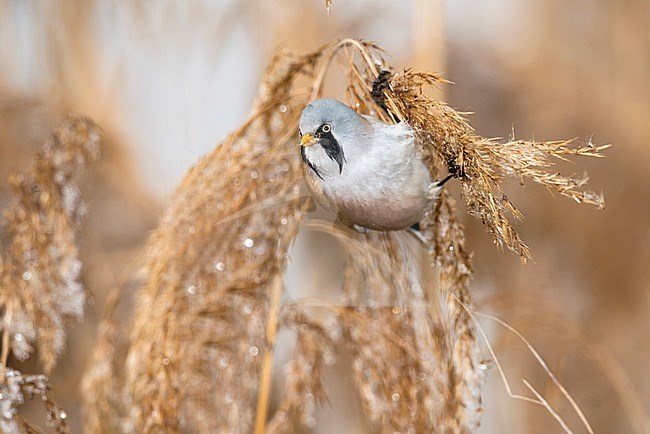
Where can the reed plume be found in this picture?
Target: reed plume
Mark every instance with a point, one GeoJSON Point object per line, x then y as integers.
{"type": "Point", "coordinates": [197, 358]}
{"type": "Point", "coordinates": [40, 267]}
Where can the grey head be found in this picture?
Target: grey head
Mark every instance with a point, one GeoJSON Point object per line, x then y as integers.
{"type": "Point", "coordinates": [330, 130]}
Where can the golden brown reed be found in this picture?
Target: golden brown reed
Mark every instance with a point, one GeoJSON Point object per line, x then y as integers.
{"type": "Point", "coordinates": [198, 354]}
{"type": "Point", "coordinates": [40, 288]}
{"type": "Point", "coordinates": [199, 327]}
{"type": "Point", "coordinates": [396, 336]}
{"type": "Point", "coordinates": [303, 386]}
{"type": "Point", "coordinates": [485, 163]}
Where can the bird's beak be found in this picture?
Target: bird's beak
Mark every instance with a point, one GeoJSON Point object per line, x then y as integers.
{"type": "Point", "coordinates": [308, 140]}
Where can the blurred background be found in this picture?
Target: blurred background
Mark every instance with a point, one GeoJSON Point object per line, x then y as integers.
{"type": "Point", "coordinates": [167, 80]}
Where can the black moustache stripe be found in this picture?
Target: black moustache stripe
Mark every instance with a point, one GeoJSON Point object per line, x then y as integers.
{"type": "Point", "coordinates": [332, 149]}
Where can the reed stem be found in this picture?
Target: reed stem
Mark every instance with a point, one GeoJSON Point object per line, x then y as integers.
{"type": "Point", "coordinates": [265, 377]}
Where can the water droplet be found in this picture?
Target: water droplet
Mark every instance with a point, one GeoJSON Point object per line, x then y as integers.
{"type": "Point", "coordinates": [228, 398]}
{"type": "Point", "coordinates": [18, 337]}
{"type": "Point", "coordinates": [63, 415]}
{"type": "Point", "coordinates": [248, 242]}
{"type": "Point", "coordinates": [191, 289]}
{"type": "Point", "coordinates": [254, 174]}
{"type": "Point", "coordinates": [27, 275]}
{"type": "Point", "coordinates": [165, 361]}
{"type": "Point", "coordinates": [451, 248]}
{"type": "Point", "coordinates": [223, 362]}
{"type": "Point", "coordinates": [253, 351]}
{"type": "Point", "coordinates": [422, 376]}
{"type": "Point", "coordinates": [219, 266]}
{"type": "Point", "coordinates": [396, 310]}
{"type": "Point", "coordinates": [484, 364]}
{"type": "Point", "coordinates": [220, 206]}
{"type": "Point", "coordinates": [395, 397]}
{"type": "Point", "coordinates": [282, 108]}
{"type": "Point", "coordinates": [284, 221]}
{"type": "Point", "coordinates": [27, 255]}
{"type": "Point", "coordinates": [247, 309]}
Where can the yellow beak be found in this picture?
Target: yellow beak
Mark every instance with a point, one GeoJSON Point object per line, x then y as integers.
{"type": "Point", "coordinates": [308, 140]}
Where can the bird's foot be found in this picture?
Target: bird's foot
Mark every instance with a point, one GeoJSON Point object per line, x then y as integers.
{"type": "Point", "coordinates": [454, 168]}
{"type": "Point", "coordinates": [378, 87]}
{"type": "Point", "coordinates": [455, 171]}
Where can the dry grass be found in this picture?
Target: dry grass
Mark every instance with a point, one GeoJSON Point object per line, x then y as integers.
{"type": "Point", "coordinates": [199, 328]}
{"type": "Point", "coordinates": [197, 358]}
{"type": "Point", "coordinates": [445, 135]}
{"type": "Point", "coordinates": [40, 288]}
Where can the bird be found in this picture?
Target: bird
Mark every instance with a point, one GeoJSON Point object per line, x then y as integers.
{"type": "Point", "coordinates": [371, 174]}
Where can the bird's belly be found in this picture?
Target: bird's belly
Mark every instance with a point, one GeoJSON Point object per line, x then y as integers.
{"type": "Point", "coordinates": [382, 213]}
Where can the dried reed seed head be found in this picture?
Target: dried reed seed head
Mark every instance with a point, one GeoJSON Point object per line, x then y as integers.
{"type": "Point", "coordinates": [200, 321]}
{"type": "Point", "coordinates": [303, 388]}
{"type": "Point", "coordinates": [40, 286]}
{"type": "Point", "coordinates": [394, 368]}
{"type": "Point", "coordinates": [14, 390]}
{"type": "Point", "coordinates": [445, 135]}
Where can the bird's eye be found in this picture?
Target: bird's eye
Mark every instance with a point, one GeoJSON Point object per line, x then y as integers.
{"type": "Point", "coordinates": [300, 133]}
{"type": "Point", "coordinates": [326, 128]}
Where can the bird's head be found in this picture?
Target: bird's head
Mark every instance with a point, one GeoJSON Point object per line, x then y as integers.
{"type": "Point", "coordinates": [330, 134]}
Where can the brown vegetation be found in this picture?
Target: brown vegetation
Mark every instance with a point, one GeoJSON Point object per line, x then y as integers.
{"type": "Point", "coordinates": [404, 326]}
{"type": "Point", "coordinates": [202, 318]}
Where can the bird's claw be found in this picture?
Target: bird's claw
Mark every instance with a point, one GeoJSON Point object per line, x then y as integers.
{"type": "Point", "coordinates": [455, 171]}
{"type": "Point", "coordinates": [454, 168]}
{"type": "Point", "coordinates": [378, 87]}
